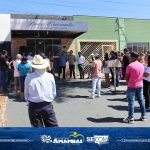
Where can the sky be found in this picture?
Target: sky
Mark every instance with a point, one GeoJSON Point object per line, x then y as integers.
{"type": "Point", "coordinates": [108, 8]}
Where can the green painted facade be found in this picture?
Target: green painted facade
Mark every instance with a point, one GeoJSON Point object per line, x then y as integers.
{"type": "Point", "coordinates": [124, 30]}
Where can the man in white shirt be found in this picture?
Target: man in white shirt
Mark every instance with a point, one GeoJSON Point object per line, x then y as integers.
{"type": "Point", "coordinates": [40, 91]}
{"type": "Point", "coordinates": [80, 61]}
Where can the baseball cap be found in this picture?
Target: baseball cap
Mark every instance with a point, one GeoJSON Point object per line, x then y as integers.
{"type": "Point", "coordinates": [134, 54]}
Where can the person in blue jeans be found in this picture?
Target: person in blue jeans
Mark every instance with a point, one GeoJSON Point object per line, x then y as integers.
{"type": "Point", "coordinates": [134, 78]}
{"type": "Point", "coordinates": [24, 69]}
{"type": "Point", "coordinates": [62, 64]}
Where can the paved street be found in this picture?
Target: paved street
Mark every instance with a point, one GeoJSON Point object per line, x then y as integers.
{"type": "Point", "coordinates": [74, 109]}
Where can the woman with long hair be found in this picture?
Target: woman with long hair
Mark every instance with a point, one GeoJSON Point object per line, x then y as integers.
{"type": "Point", "coordinates": [106, 70]}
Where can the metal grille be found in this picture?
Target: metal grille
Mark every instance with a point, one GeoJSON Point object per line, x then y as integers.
{"type": "Point", "coordinates": [87, 48]}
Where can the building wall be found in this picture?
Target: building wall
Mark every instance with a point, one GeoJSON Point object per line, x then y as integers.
{"type": "Point", "coordinates": [123, 30]}
{"type": "Point", "coordinates": [100, 28]}
{"type": "Point", "coordinates": [67, 44]}
{"type": "Point", "coordinates": [16, 43]}
{"type": "Point", "coordinates": [5, 32]}
{"type": "Point", "coordinates": [137, 30]}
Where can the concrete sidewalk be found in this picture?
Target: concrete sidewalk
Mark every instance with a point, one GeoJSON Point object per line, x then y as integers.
{"type": "Point", "coordinates": [74, 108]}
{"type": "Point", "coordinates": [3, 101]}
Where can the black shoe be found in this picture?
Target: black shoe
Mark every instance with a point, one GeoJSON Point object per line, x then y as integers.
{"type": "Point", "coordinates": [147, 107]}
{"type": "Point", "coordinates": [5, 91]}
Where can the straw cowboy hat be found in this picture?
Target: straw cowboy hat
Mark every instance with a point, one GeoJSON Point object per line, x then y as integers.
{"type": "Point", "coordinates": [38, 62]}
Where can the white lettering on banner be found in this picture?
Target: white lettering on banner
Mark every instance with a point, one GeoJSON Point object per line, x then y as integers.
{"type": "Point", "coordinates": [64, 141]}
{"type": "Point", "coordinates": [98, 139]}
{"type": "Point", "coordinates": [76, 139]}
{"type": "Point", "coordinates": [56, 25]}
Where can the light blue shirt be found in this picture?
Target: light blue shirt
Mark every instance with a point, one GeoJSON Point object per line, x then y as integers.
{"type": "Point", "coordinates": [40, 86]}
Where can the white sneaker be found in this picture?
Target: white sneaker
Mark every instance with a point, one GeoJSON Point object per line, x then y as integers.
{"type": "Point", "coordinates": [99, 95]}
{"type": "Point", "coordinates": [91, 97]}
{"type": "Point", "coordinates": [128, 120]}
{"type": "Point", "coordinates": [143, 118]}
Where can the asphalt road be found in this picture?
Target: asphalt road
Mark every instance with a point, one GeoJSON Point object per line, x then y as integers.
{"type": "Point", "coordinates": [74, 108]}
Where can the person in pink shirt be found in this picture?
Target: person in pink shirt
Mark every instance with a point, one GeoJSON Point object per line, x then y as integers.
{"type": "Point", "coordinates": [134, 78]}
{"type": "Point", "coordinates": [96, 76]}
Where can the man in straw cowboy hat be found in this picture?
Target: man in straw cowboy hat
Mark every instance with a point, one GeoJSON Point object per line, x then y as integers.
{"type": "Point", "coordinates": [40, 91]}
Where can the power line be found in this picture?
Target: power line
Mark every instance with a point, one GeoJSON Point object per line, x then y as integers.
{"type": "Point", "coordinates": [75, 4]}
{"type": "Point", "coordinates": [76, 7]}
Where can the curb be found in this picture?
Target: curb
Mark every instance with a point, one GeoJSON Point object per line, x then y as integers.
{"type": "Point", "coordinates": [3, 103]}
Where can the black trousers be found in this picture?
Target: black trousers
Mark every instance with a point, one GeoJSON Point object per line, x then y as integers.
{"type": "Point", "coordinates": [146, 92]}
{"type": "Point", "coordinates": [42, 114]}
{"type": "Point", "coordinates": [22, 79]}
{"type": "Point", "coordinates": [81, 71]}
{"type": "Point", "coordinates": [60, 71]}
{"type": "Point", "coordinates": [72, 71]}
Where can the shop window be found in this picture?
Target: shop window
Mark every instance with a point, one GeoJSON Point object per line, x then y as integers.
{"type": "Point", "coordinates": [140, 47]}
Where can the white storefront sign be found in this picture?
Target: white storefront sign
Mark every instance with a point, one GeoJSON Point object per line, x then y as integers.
{"type": "Point", "coordinates": [52, 25]}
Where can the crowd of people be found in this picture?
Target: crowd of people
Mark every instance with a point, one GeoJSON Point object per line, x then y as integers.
{"type": "Point", "coordinates": [34, 80]}
{"type": "Point", "coordinates": [136, 71]}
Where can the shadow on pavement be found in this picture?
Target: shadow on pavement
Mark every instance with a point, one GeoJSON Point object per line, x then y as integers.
{"type": "Point", "coordinates": [77, 96]}
{"type": "Point", "coordinates": [124, 108]}
{"type": "Point", "coordinates": [118, 99]}
{"type": "Point", "coordinates": [60, 99]}
{"type": "Point", "coordinates": [119, 107]}
{"type": "Point", "coordinates": [15, 98]}
{"type": "Point", "coordinates": [102, 120]}
{"type": "Point", "coordinates": [118, 92]}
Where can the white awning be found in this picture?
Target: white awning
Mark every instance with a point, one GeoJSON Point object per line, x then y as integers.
{"type": "Point", "coordinates": [48, 25]}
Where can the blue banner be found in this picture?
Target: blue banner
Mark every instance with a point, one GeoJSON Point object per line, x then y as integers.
{"type": "Point", "coordinates": [74, 138]}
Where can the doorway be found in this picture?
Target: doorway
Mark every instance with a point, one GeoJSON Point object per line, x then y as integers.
{"type": "Point", "coordinates": [46, 46]}
{"type": "Point", "coordinates": [50, 47]}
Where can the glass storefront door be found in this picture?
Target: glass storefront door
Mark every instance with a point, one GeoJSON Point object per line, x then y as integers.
{"type": "Point", "coordinates": [50, 47]}
{"type": "Point", "coordinates": [47, 46]}
{"type": "Point", "coordinates": [39, 46]}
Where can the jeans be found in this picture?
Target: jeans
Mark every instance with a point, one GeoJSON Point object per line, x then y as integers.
{"type": "Point", "coordinates": [72, 71]}
{"type": "Point", "coordinates": [60, 71]}
{"type": "Point", "coordinates": [22, 79]}
{"type": "Point", "coordinates": [96, 83]}
{"type": "Point", "coordinates": [133, 93]}
{"type": "Point", "coordinates": [117, 75]}
{"type": "Point", "coordinates": [81, 71]}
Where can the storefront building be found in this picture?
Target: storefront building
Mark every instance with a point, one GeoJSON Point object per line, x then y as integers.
{"type": "Point", "coordinates": [36, 34]}
{"type": "Point", "coordinates": [88, 34]}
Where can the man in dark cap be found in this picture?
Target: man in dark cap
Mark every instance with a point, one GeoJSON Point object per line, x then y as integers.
{"type": "Point", "coordinates": [134, 78]}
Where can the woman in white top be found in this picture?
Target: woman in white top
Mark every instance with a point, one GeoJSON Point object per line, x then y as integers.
{"type": "Point", "coordinates": [146, 83]}
{"type": "Point", "coordinates": [16, 72]}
